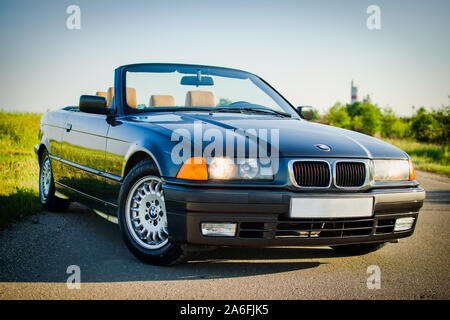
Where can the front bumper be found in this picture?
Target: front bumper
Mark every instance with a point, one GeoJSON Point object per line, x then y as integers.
{"type": "Point", "coordinates": [262, 217]}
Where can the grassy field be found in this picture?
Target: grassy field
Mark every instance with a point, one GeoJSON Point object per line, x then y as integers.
{"type": "Point", "coordinates": [19, 191]}
{"type": "Point", "coordinates": [19, 188]}
{"type": "Point", "coordinates": [426, 156]}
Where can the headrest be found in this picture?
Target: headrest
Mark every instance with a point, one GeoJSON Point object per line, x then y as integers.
{"type": "Point", "coordinates": [162, 101]}
{"type": "Point", "coordinates": [109, 96]}
{"type": "Point", "coordinates": [200, 99]}
{"type": "Point", "coordinates": [101, 94]}
{"type": "Point", "coordinates": [131, 97]}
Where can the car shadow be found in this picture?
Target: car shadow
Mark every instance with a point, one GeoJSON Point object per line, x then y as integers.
{"type": "Point", "coordinates": [438, 196]}
{"type": "Point", "coordinates": [80, 237]}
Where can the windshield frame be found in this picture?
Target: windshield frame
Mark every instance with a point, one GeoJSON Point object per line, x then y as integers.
{"type": "Point", "coordinates": [187, 68]}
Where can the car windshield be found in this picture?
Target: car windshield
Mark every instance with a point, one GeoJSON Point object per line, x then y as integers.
{"type": "Point", "coordinates": [197, 88]}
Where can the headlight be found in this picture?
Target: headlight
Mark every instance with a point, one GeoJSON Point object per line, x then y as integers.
{"type": "Point", "coordinates": [391, 170]}
{"type": "Point", "coordinates": [235, 169]}
{"type": "Point", "coordinates": [222, 169]}
{"type": "Point", "coordinates": [248, 169]}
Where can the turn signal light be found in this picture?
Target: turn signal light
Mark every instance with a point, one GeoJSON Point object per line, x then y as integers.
{"type": "Point", "coordinates": [193, 168]}
{"type": "Point", "coordinates": [412, 174]}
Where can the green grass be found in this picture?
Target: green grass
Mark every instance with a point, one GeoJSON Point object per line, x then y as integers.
{"type": "Point", "coordinates": [19, 168]}
{"type": "Point", "coordinates": [426, 156]}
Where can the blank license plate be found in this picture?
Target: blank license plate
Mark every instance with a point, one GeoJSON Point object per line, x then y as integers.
{"type": "Point", "coordinates": [331, 207]}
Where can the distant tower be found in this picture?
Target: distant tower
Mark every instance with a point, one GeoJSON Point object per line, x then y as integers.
{"type": "Point", "coordinates": [354, 94]}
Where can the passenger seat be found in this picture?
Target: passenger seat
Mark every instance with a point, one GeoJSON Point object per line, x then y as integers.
{"type": "Point", "coordinates": [131, 97]}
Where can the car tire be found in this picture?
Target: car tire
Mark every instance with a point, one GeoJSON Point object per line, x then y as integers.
{"type": "Point", "coordinates": [47, 187]}
{"type": "Point", "coordinates": [142, 217]}
{"type": "Point", "coordinates": [358, 249]}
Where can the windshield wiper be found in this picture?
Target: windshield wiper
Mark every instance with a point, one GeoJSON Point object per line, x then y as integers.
{"type": "Point", "coordinates": [217, 109]}
{"type": "Point", "coordinates": [175, 109]}
{"type": "Point", "coordinates": [256, 110]}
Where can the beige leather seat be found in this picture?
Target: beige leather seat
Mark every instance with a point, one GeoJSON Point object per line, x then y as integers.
{"type": "Point", "coordinates": [200, 99]}
{"type": "Point", "coordinates": [131, 97]}
{"type": "Point", "coordinates": [101, 94]}
{"type": "Point", "coordinates": [109, 96]}
{"type": "Point", "coordinates": [162, 101]}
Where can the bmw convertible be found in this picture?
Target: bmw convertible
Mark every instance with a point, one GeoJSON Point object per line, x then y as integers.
{"type": "Point", "coordinates": [187, 157]}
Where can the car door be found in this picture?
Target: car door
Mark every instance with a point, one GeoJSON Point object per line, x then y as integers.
{"type": "Point", "coordinates": [83, 152]}
{"type": "Point", "coordinates": [120, 140]}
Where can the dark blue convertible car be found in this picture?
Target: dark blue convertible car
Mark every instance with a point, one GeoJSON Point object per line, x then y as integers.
{"type": "Point", "coordinates": [184, 157]}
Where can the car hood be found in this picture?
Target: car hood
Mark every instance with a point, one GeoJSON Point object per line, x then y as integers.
{"type": "Point", "coordinates": [297, 138]}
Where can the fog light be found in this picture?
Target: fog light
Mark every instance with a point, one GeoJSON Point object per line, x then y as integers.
{"type": "Point", "coordinates": [214, 229]}
{"type": "Point", "coordinates": [403, 224]}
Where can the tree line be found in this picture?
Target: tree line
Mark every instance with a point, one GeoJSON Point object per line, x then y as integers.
{"type": "Point", "coordinates": [424, 126]}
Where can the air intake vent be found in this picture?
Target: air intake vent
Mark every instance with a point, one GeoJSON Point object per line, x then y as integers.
{"type": "Point", "coordinates": [312, 173]}
{"type": "Point", "coordinates": [350, 174]}
{"type": "Point", "coordinates": [325, 228]}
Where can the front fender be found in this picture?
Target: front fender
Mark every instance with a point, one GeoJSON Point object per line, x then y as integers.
{"type": "Point", "coordinates": [132, 151]}
{"type": "Point", "coordinates": [158, 147]}
{"type": "Point", "coordinates": [44, 144]}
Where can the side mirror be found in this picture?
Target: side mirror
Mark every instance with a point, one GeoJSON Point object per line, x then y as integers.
{"type": "Point", "coordinates": [93, 104]}
{"type": "Point", "coordinates": [306, 112]}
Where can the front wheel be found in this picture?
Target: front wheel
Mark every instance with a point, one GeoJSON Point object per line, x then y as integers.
{"type": "Point", "coordinates": [47, 187]}
{"type": "Point", "coordinates": [143, 217]}
{"type": "Point", "coordinates": [359, 249]}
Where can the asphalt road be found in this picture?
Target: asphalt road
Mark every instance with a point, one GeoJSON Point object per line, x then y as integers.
{"type": "Point", "coordinates": [35, 254]}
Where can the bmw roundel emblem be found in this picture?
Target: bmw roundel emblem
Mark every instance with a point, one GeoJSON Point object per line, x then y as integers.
{"type": "Point", "coordinates": [323, 147]}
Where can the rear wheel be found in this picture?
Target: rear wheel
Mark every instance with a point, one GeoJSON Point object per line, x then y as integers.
{"type": "Point", "coordinates": [359, 249]}
{"type": "Point", "coordinates": [47, 187]}
{"type": "Point", "coordinates": [143, 217]}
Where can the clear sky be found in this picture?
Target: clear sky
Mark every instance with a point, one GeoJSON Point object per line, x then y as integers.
{"type": "Point", "coordinates": [308, 50]}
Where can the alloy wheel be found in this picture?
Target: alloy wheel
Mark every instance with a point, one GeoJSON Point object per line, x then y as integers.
{"type": "Point", "coordinates": [146, 215]}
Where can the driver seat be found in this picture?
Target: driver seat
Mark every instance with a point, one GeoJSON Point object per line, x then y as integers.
{"type": "Point", "coordinates": [200, 99]}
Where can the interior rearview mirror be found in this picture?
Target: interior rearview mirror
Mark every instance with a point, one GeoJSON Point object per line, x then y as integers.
{"type": "Point", "coordinates": [197, 81]}
{"type": "Point", "coordinates": [306, 112]}
{"type": "Point", "coordinates": [93, 104]}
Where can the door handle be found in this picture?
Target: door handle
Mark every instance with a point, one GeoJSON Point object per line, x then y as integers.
{"type": "Point", "coordinates": [68, 127]}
